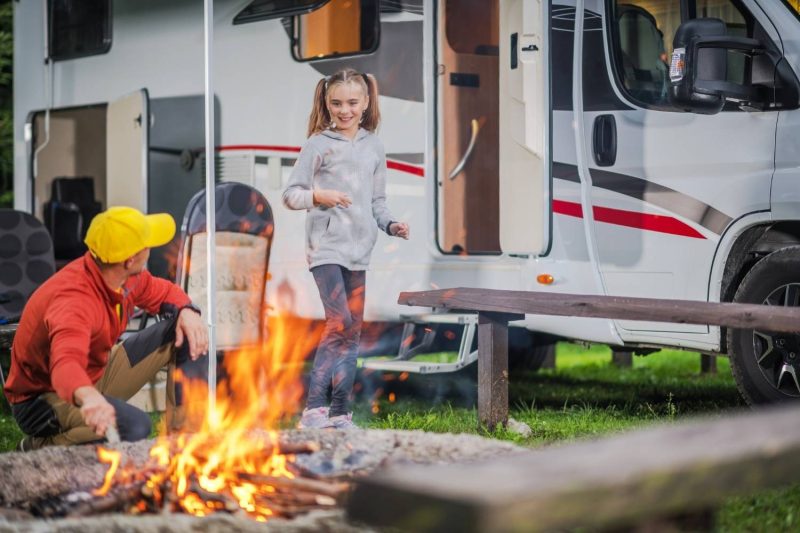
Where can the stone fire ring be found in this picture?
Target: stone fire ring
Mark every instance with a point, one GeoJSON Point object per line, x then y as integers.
{"type": "Point", "coordinates": [58, 470]}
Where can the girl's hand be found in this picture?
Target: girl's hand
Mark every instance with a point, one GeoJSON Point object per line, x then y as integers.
{"type": "Point", "coordinates": [399, 229]}
{"type": "Point", "coordinates": [331, 198]}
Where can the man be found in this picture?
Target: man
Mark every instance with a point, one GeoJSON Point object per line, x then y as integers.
{"type": "Point", "coordinates": [69, 380]}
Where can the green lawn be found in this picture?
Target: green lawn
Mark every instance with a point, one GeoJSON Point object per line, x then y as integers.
{"type": "Point", "coordinates": [583, 397]}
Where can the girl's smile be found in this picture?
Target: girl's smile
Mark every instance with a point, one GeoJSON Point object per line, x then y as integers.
{"type": "Point", "coordinates": [346, 105]}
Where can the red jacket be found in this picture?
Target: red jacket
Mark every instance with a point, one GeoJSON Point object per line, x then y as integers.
{"type": "Point", "coordinates": [70, 323]}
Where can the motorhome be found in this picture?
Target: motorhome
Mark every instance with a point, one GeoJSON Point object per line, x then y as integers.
{"type": "Point", "coordinates": [623, 147]}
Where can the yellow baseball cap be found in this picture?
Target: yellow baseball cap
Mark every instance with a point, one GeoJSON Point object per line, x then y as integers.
{"type": "Point", "coordinates": [121, 232]}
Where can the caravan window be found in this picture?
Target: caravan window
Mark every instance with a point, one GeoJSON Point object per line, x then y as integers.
{"type": "Point", "coordinates": [339, 28]}
{"type": "Point", "coordinates": [643, 31]}
{"type": "Point", "coordinates": [78, 28]}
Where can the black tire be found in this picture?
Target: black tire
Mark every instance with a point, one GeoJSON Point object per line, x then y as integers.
{"type": "Point", "coordinates": [528, 350]}
{"type": "Point", "coordinates": [766, 366]}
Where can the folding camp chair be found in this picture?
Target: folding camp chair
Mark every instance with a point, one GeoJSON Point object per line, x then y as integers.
{"type": "Point", "coordinates": [26, 261]}
{"type": "Point", "coordinates": [244, 229]}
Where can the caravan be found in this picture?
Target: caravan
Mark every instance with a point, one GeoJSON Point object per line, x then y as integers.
{"type": "Point", "coordinates": [625, 147]}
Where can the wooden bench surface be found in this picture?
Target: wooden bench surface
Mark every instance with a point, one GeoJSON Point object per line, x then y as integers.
{"type": "Point", "coordinates": [736, 315]}
{"type": "Point", "coordinates": [617, 480]}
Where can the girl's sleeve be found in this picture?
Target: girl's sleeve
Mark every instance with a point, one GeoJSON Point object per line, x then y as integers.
{"type": "Point", "coordinates": [299, 194]}
{"type": "Point", "coordinates": [379, 210]}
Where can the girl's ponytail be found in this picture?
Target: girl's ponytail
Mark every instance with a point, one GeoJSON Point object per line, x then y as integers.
{"type": "Point", "coordinates": [319, 119]}
{"type": "Point", "coordinates": [372, 115]}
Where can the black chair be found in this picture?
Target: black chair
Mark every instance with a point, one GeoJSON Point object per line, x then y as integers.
{"type": "Point", "coordinates": [26, 261]}
{"type": "Point", "coordinates": [67, 215]}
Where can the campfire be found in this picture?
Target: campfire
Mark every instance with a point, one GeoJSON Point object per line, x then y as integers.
{"type": "Point", "coordinates": [234, 461]}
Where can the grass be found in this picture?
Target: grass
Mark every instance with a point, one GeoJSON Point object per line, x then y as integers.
{"type": "Point", "coordinates": [583, 397]}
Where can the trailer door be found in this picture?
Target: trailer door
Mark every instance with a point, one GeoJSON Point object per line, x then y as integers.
{"type": "Point", "coordinates": [525, 198]}
{"type": "Point", "coordinates": [127, 139]}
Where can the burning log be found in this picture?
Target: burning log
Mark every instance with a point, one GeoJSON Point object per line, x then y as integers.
{"type": "Point", "coordinates": [333, 490]}
{"type": "Point", "coordinates": [119, 498]}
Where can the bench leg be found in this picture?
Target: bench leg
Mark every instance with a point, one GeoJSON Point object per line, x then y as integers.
{"type": "Point", "coordinates": [492, 370]}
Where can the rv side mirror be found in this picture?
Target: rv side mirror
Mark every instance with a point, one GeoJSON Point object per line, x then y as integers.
{"type": "Point", "coordinates": [699, 68]}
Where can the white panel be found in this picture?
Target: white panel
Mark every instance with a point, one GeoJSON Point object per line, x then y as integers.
{"type": "Point", "coordinates": [524, 129]}
{"type": "Point", "coordinates": [126, 151]}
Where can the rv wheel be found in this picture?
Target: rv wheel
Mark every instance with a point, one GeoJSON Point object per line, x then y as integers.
{"type": "Point", "coordinates": [766, 365]}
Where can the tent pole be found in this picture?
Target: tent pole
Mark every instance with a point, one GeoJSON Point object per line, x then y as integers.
{"type": "Point", "coordinates": [211, 278]}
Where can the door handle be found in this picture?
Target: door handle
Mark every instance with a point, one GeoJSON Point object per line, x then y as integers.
{"type": "Point", "coordinates": [460, 166]}
{"type": "Point", "coordinates": [604, 140]}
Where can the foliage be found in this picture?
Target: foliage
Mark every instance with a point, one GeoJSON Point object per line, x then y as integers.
{"type": "Point", "coordinates": [6, 104]}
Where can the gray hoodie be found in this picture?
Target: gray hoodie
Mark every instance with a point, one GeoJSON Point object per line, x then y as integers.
{"type": "Point", "coordinates": [341, 235]}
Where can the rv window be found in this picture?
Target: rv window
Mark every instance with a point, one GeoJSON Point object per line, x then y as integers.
{"type": "Point", "coordinates": [644, 31]}
{"type": "Point", "coordinates": [465, 36]}
{"type": "Point", "coordinates": [339, 28]}
{"type": "Point", "coordinates": [78, 28]}
{"type": "Point", "coordinates": [272, 9]}
{"type": "Point", "coordinates": [643, 35]}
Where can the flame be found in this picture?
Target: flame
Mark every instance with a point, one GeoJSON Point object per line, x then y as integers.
{"type": "Point", "coordinates": [207, 470]}
{"type": "Point", "coordinates": [113, 458]}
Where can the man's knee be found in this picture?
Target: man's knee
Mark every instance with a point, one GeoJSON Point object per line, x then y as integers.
{"type": "Point", "coordinates": [137, 426]}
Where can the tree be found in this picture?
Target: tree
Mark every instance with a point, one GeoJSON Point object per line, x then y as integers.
{"type": "Point", "coordinates": [6, 104]}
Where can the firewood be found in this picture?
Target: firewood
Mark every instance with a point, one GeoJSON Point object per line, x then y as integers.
{"type": "Point", "coordinates": [227, 502]}
{"type": "Point", "coordinates": [297, 448]}
{"type": "Point", "coordinates": [116, 499]}
{"type": "Point", "coordinates": [334, 490]}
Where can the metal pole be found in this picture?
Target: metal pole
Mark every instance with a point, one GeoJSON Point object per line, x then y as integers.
{"type": "Point", "coordinates": [211, 269]}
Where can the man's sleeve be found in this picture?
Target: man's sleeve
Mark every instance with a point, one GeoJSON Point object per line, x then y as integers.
{"type": "Point", "coordinates": [70, 336]}
{"type": "Point", "coordinates": [157, 295]}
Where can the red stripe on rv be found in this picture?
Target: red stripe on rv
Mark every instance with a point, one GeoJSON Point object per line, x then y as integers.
{"type": "Point", "coordinates": [631, 219]}
{"type": "Point", "coordinates": [394, 165]}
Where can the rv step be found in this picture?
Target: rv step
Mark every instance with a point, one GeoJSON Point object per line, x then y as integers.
{"type": "Point", "coordinates": [441, 318]}
{"type": "Point", "coordinates": [404, 362]}
{"type": "Point", "coordinates": [420, 367]}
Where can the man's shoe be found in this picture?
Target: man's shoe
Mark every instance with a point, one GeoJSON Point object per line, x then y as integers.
{"type": "Point", "coordinates": [314, 418]}
{"type": "Point", "coordinates": [342, 422]}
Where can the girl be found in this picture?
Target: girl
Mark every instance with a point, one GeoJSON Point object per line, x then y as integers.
{"type": "Point", "coordinates": [340, 180]}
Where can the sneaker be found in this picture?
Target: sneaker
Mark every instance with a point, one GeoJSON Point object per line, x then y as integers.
{"type": "Point", "coordinates": [342, 422]}
{"type": "Point", "coordinates": [314, 418]}
{"type": "Point", "coordinates": [25, 445]}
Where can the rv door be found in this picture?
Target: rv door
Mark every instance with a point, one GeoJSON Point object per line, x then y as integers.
{"type": "Point", "coordinates": [525, 203]}
{"type": "Point", "coordinates": [127, 139]}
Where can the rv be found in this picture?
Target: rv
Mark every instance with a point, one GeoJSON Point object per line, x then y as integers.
{"type": "Point", "coordinates": [642, 148]}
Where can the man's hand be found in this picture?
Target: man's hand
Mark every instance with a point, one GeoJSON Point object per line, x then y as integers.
{"type": "Point", "coordinates": [191, 328]}
{"type": "Point", "coordinates": [96, 412]}
{"type": "Point", "coordinates": [331, 198]}
{"type": "Point", "coordinates": [399, 229]}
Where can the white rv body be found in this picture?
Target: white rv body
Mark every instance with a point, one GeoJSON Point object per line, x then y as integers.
{"type": "Point", "coordinates": [661, 222]}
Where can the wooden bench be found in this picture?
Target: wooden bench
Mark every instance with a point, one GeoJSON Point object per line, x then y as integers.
{"type": "Point", "coordinates": [639, 478]}
{"type": "Point", "coordinates": [496, 308]}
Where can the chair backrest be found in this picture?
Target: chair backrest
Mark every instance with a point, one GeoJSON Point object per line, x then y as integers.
{"type": "Point", "coordinates": [244, 229]}
{"type": "Point", "coordinates": [26, 260]}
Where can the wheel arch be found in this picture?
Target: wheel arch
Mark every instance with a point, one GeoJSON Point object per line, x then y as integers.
{"type": "Point", "coordinates": [753, 244]}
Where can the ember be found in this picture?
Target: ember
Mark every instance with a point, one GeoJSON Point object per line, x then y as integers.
{"type": "Point", "coordinates": [234, 463]}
